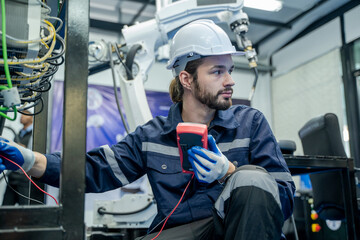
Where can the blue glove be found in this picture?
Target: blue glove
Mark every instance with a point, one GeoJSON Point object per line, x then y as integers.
{"type": "Point", "coordinates": [209, 165]}
{"type": "Point", "coordinates": [16, 153]}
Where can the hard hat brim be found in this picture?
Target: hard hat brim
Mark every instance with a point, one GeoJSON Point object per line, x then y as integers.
{"type": "Point", "coordinates": [237, 53]}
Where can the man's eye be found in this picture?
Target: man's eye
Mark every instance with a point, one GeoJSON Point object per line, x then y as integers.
{"type": "Point", "coordinates": [218, 72]}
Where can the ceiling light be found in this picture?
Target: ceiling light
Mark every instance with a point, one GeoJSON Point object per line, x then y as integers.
{"type": "Point", "coordinates": [266, 5]}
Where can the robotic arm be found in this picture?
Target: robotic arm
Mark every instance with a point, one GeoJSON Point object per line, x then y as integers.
{"type": "Point", "coordinates": [156, 32]}
{"type": "Point", "coordinates": [144, 39]}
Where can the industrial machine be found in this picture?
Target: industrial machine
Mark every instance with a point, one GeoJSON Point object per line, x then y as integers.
{"type": "Point", "coordinates": [32, 51]}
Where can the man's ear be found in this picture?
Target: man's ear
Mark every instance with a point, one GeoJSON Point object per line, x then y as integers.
{"type": "Point", "coordinates": [185, 79]}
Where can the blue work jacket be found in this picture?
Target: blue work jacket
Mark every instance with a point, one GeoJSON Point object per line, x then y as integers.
{"type": "Point", "coordinates": [241, 133]}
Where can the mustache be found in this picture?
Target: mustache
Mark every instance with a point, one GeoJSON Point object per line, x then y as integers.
{"type": "Point", "coordinates": [228, 89]}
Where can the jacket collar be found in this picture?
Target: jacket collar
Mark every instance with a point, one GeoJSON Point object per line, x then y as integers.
{"type": "Point", "coordinates": [173, 119]}
{"type": "Point", "coordinates": [223, 118]}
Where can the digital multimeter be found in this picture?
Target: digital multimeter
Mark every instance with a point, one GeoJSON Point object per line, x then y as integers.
{"type": "Point", "coordinates": [189, 135]}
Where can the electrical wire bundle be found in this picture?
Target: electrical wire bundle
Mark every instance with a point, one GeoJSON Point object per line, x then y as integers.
{"type": "Point", "coordinates": [31, 76]}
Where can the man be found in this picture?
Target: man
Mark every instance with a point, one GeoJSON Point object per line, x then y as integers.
{"type": "Point", "coordinates": [17, 181]}
{"type": "Point", "coordinates": [242, 187]}
{"type": "Point", "coordinates": [24, 135]}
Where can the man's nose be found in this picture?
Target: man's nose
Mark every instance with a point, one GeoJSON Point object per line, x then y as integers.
{"type": "Point", "coordinates": [229, 80]}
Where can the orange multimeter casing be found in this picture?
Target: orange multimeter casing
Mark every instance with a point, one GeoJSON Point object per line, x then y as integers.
{"type": "Point", "coordinates": [189, 135]}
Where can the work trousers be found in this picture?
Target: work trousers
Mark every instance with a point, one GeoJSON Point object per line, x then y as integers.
{"type": "Point", "coordinates": [248, 208]}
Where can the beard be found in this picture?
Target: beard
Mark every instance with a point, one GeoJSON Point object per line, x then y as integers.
{"type": "Point", "coordinates": [213, 101]}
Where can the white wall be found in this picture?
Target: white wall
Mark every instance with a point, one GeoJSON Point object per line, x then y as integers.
{"type": "Point", "coordinates": [302, 70]}
{"type": "Point", "coordinates": [312, 45]}
{"type": "Point", "coordinates": [352, 20]}
{"type": "Point", "coordinates": [308, 91]}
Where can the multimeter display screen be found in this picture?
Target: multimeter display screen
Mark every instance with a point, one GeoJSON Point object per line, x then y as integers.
{"type": "Point", "coordinates": [187, 141]}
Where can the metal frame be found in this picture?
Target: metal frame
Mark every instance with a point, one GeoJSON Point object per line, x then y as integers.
{"type": "Point", "coordinates": [67, 220]}
{"type": "Point", "coordinates": [351, 101]}
{"type": "Point", "coordinates": [39, 143]}
{"type": "Point", "coordinates": [311, 164]}
{"type": "Point", "coordinates": [334, 14]}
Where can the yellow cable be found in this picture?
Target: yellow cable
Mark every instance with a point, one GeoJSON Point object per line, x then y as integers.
{"type": "Point", "coordinates": [31, 84]}
{"type": "Point", "coordinates": [51, 31]}
{"type": "Point", "coordinates": [30, 98]}
{"type": "Point", "coordinates": [46, 46]}
{"type": "Point", "coordinates": [23, 61]}
{"type": "Point", "coordinates": [21, 41]}
{"type": "Point", "coordinates": [38, 66]}
{"type": "Point", "coordinates": [27, 78]}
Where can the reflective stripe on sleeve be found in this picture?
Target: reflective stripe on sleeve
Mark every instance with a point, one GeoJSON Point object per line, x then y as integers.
{"type": "Point", "coordinates": [110, 158]}
{"type": "Point", "coordinates": [159, 148]}
{"type": "Point", "coordinates": [237, 143]}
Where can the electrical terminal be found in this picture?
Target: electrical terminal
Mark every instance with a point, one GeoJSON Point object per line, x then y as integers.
{"type": "Point", "coordinates": [11, 97]}
{"type": "Point", "coordinates": [252, 57]}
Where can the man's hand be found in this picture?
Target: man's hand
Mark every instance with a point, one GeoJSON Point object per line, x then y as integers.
{"type": "Point", "coordinates": [16, 153]}
{"type": "Point", "coordinates": [209, 165]}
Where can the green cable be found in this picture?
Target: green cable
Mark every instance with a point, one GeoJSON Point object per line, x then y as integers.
{"type": "Point", "coordinates": [15, 113]}
{"type": "Point", "coordinates": [7, 117]}
{"type": "Point", "coordinates": [58, 10]}
{"type": "Point", "coordinates": [6, 66]}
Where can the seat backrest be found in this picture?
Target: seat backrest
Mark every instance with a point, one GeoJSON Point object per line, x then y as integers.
{"type": "Point", "coordinates": [321, 136]}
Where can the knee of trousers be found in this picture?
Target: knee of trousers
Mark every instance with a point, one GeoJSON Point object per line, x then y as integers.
{"type": "Point", "coordinates": [244, 177]}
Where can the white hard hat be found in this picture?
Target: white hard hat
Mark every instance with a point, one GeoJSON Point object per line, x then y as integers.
{"type": "Point", "coordinates": [196, 39]}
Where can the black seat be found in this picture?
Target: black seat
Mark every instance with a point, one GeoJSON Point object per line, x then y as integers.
{"type": "Point", "coordinates": [287, 146]}
{"type": "Point", "coordinates": [321, 136]}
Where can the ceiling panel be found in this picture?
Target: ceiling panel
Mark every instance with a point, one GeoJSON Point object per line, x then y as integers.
{"type": "Point", "coordinates": [283, 16]}
{"type": "Point", "coordinates": [301, 5]}
{"type": "Point", "coordinates": [262, 27]}
{"type": "Point", "coordinates": [258, 32]}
